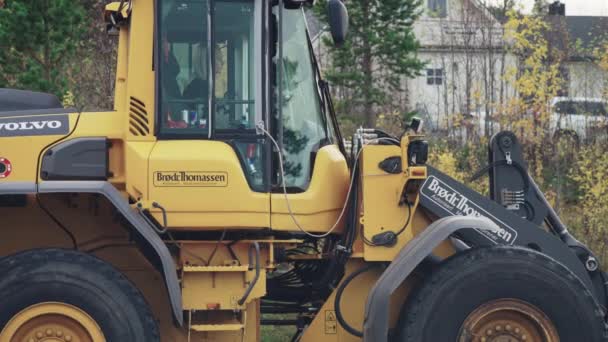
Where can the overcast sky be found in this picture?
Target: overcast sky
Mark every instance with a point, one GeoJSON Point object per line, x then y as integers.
{"type": "Point", "coordinates": [576, 7]}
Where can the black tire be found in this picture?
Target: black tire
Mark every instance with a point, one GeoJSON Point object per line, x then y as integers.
{"type": "Point", "coordinates": [80, 280]}
{"type": "Point", "coordinates": [566, 135]}
{"type": "Point", "coordinates": [437, 309]}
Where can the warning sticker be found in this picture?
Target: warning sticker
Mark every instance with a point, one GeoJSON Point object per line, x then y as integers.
{"type": "Point", "coordinates": [331, 326]}
{"type": "Point", "coordinates": [5, 168]}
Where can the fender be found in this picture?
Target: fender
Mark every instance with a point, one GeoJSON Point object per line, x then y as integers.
{"type": "Point", "coordinates": [157, 247]}
{"type": "Point", "coordinates": [375, 323]}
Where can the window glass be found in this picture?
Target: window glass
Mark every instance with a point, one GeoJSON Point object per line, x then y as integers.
{"type": "Point", "coordinates": [434, 76]}
{"type": "Point", "coordinates": [304, 127]}
{"type": "Point", "coordinates": [438, 8]}
{"type": "Point", "coordinates": [234, 65]}
{"type": "Point", "coordinates": [252, 157]}
{"type": "Point", "coordinates": [581, 107]}
{"type": "Point", "coordinates": [185, 67]}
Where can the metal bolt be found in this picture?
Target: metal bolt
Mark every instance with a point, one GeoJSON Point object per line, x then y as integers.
{"type": "Point", "coordinates": [39, 335]}
{"type": "Point", "coordinates": [49, 332]}
{"type": "Point", "coordinates": [498, 327]}
{"type": "Point", "coordinates": [591, 264]}
{"type": "Point", "coordinates": [59, 333]}
{"type": "Point", "coordinates": [68, 338]}
{"type": "Point", "coordinates": [508, 327]}
{"type": "Point", "coordinates": [489, 332]}
{"type": "Point", "coordinates": [517, 330]}
{"type": "Point", "coordinates": [524, 337]}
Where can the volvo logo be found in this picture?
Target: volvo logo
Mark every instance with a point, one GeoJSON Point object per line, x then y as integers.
{"type": "Point", "coordinates": [31, 126]}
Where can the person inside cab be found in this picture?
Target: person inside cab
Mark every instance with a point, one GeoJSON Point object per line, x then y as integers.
{"type": "Point", "coordinates": [184, 81]}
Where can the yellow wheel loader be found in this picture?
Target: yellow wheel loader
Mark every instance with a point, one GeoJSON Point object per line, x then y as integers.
{"type": "Point", "coordinates": [217, 197]}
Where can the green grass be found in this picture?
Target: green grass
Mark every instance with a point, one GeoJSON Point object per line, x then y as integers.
{"type": "Point", "coordinates": [277, 333]}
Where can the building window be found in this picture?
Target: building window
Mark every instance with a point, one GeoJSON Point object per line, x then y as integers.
{"type": "Point", "coordinates": [438, 8]}
{"type": "Point", "coordinates": [434, 76]}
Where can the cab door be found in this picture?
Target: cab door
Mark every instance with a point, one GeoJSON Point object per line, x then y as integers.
{"type": "Point", "coordinates": [202, 184]}
{"type": "Point", "coordinates": [315, 170]}
{"type": "Point", "coordinates": [207, 167]}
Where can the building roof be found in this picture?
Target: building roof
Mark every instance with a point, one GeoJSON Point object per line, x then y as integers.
{"type": "Point", "coordinates": [578, 36]}
{"type": "Point", "coordinates": [589, 31]}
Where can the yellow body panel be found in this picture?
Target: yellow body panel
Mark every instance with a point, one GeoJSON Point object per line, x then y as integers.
{"type": "Point", "coordinates": [325, 327]}
{"type": "Point", "coordinates": [136, 158]}
{"type": "Point", "coordinates": [140, 77]}
{"type": "Point", "coordinates": [381, 196]}
{"type": "Point", "coordinates": [318, 208]}
{"type": "Point", "coordinates": [381, 211]}
{"type": "Point", "coordinates": [99, 124]}
{"type": "Point", "coordinates": [204, 205]}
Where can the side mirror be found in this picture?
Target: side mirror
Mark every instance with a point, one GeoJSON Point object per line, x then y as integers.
{"type": "Point", "coordinates": [337, 15]}
{"type": "Point", "coordinates": [115, 15]}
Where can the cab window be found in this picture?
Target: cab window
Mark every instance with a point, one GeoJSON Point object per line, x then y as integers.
{"type": "Point", "coordinates": [303, 127]}
{"type": "Point", "coordinates": [206, 77]}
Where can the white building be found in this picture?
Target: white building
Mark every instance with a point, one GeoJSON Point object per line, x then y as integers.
{"type": "Point", "coordinates": [464, 47]}
{"type": "Point", "coordinates": [468, 58]}
{"type": "Point", "coordinates": [584, 34]}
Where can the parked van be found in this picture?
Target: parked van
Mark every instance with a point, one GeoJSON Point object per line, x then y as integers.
{"type": "Point", "coordinates": [580, 117]}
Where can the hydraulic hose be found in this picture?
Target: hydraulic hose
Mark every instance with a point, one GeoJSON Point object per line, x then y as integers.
{"type": "Point", "coordinates": [255, 246]}
{"type": "Point", "coordinates": [341, 288]}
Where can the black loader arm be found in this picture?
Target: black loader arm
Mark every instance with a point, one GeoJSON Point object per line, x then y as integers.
{"type": "Point", "coordinates": [517, 207]}
{"type": "Point", "coordinates": [474, 220]}
{"type": "Point", "coordinates": [443, 196]}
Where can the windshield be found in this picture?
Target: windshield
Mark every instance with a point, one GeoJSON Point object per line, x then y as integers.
{"type": "Point", "coordinates": [304, 127]}
{"type": "Point", "coordinates": [206, 69]}
{"type": "Point", "coordinates": [580, 107]}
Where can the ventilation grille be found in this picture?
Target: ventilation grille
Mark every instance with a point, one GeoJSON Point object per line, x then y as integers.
{"type": "Point", "coordinates": [139, 124]}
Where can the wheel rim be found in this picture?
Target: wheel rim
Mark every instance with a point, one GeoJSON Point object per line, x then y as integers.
{"type": "Point", "coordinates": [52, 322]}
{"type": "Point", "coordinates": [508, 320]}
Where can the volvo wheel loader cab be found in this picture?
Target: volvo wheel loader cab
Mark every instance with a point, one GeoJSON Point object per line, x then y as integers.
{"type": "Point", "coordinates": [217, 197]}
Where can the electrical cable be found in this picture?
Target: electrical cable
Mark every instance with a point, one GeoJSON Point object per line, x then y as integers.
{"type": "Point", "coordinates": [39, 165]}
{"type": "Point", "coordinates": [57, 222]}
{"type": "Point", "coordinates": [409, 218]}
{"type": "Point", "coordinates": [523, 173]}
{"type": "Point", "coordinates": [255, 246]}
{"type": "Point", "coordinates": [338, 298]}
{"type": "Point", "coordinates": [217, 245]}
{"type": "Point", "coordinates": [260, 126]}
{"type": "Point", "coordinates": [399, 232]}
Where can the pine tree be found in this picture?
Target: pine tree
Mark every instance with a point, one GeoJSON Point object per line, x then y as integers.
{"type": "Point", "coordinates": [37, 39]}
{"type": "Point", "coordinates": [379, 52]}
